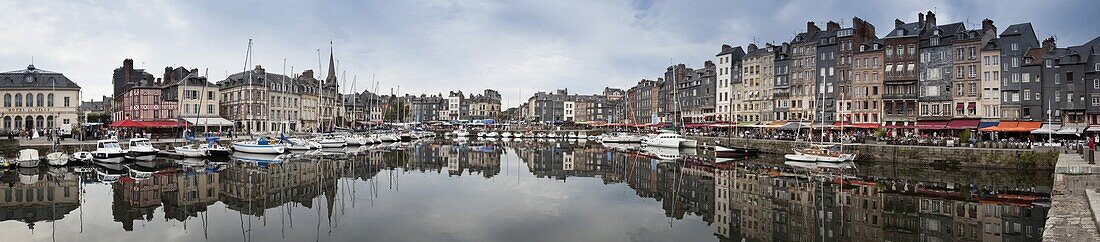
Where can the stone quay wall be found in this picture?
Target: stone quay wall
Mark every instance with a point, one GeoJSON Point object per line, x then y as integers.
{"type": "Point", "coordinates": [932, 155]}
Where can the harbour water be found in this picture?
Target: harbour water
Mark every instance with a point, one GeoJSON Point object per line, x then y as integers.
{"type": "Point", "coordinates": [530, 190]}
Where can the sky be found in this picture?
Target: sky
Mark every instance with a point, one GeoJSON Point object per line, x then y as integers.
{"type": "Point", "coordinates": [516, 47]}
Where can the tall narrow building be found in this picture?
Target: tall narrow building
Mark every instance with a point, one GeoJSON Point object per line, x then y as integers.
{"type": "Point", "coordinates": [728, 68]}
{"type": "Point", "coordinates": [900, 59]}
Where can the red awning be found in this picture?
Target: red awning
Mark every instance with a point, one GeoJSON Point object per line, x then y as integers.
{"type": "Point", "coordinates": [958, 106]}
{"type": "Point", "coordinates": [935, 124]}
{"type": "Point", "coordinates": [971, 105]}
{"type": "Point", "coordinates": [963, 124]}
{"type": "Point", "coordinates": [695, 125]}
{"type": "Point", "coordinates": [149, 124]}
{"type": "Point", "coordinates": [857, 125]}
{"type": "Point", "coordinates": [1026, 126]}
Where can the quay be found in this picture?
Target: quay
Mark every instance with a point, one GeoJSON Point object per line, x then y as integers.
{"type": "Point", "coordinates": [934, 155]}
{"type": "Point", "coordinates": [1075, 202]}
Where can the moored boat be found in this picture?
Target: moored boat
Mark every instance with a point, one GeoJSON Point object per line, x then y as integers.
{"type": "Point", "coordinates": [108, 151]}
{"type": "Point", "coordinates": [28, 158]}
{"type": "Point", "coordinates": [259, 146]}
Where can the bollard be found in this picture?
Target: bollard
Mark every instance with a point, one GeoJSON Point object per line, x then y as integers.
{"type": "Point", "coordinates": [1092, 157]}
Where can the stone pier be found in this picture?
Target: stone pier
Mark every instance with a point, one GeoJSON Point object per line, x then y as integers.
{"type": "Point", "coordinates": [1074, 201]}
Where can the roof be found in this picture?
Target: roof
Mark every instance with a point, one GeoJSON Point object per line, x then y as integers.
{"type": "Point", "coordinates": [34, 77]}
{"type": "Point", "coordinates": [1018, 29]}
{"type": "Point", "coordinates": [905, 30]}
{"type": "Point", "coordinates": [737, 52]}
{"type": "Point", "coordinates": [992, 45]}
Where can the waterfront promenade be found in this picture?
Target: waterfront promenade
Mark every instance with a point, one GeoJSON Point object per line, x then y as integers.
{"type": "Point", "coordinates": [1075, 202]}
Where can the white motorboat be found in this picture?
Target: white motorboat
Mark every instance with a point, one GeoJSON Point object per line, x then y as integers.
{"type": "Point", "coordinates": [582, 135]}
{"type": "Point", "coordinates": [108, 151]}
{"type": "Point", "coordinates": [140, 148]}
{"type": "Point", "coordinates": [192, 151]}
{"type": "Point", "coordinates": [671, 140]}
{"type": "Point", "coordinates": [355, 140]}
{"type": "Point", "coordinates": [28, 158]}
{"type": "Point", "coordinates": [552, 135]}
{"type": "Point", "coordinates": [331, 141]}
{"type": "Point", "coordinates": [663, 153]}
{"type": "Point", "coordinates": [301, 144]}
{"type": "Point", "coordinates": [518, 135]}
{"type": "Point", "coordinates": [505, 134]}
{"type": "Point", "coordinates": [480, 134]}
{"type": "Point", "coordinates": [571, 135]}
{"type": "Point", "coordinates": [620, 138]}
{"type": "Point", "coordinates": [259, 146]}
{"type": "Point", "coordinates": [492, 134]}
{"type": "Point", "coordinates": [82, 156]}
{"type": "Point", "coordinates": [57, 159]}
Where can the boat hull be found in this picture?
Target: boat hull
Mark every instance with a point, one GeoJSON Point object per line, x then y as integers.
{"type": "Point", "coordinates": [112, 158]}
{"type": "Point", "coordinates": [259, 149]}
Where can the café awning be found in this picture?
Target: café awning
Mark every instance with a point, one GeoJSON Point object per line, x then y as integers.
{"type": "Point", "coordinates": [963, 124]}
{"type": "Point", "coordinates": [746, 124]}
{"type": "Point", "coordinates": [1093, 128]}
{"type": "Point", "coordinates": [1073, 129]}
{"type": "Point", "coordinates": [983, 125]}
{"type": "Point", "coordinates": [775, 124]}
{"type": "Point", "coordinates": [792, 126]}
{"type": "Point", "coordinates": [210, 121]}
{"type": "Point", "coordinates": [1047, 129]}
{"type": "Point", "coordinates": [149, 124]}
{"type": "Point", "coordinates": [1025, 126]}
{"type": "Point", "coordinates": [932, 124]}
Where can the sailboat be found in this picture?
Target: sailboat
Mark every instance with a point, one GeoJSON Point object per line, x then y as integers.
{"type": "Point", "coordinates": [260, 145]}
{"type": "Point", "coordinates": [821, 152]}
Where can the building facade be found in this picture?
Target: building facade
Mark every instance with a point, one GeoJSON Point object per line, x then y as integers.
{"type": "Point", "coordinates": [38, 99]}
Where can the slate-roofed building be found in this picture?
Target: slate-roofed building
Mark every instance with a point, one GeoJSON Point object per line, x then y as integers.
{"type": "Point", "coordinates": [866, 85]}
{"type": "Point", "coordinates": [1014, 43]}
{"type": "Point", "coordinates": [848, 42]}
{"type": "Point", "coordinates": [803, 73]}
{"type": "Point", "coordinates": [967, 63]}
{"type": "Point", "coordinates": [825, 94]}
{"type": "Point", "coordinates": [728, 74]}
{"type": "Point", "coordinates": [900, 83]}
{"type": "Point", "coordinates": [36, 98]}
{"type": "Point", "coordinates": [936, 69]}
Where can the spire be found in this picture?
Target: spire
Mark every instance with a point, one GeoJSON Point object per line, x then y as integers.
{"type": "Point", "coordinates": [331, 67]}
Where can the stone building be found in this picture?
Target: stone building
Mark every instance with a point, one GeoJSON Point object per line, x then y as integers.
{"type": "Point", "coordinates": [803, 73]}
{"type": "Point", "coordinates": [900, 83]}
{"type": "Point", "coordinates": [825, 92]}
{"type": "Point", "coordinates": [641, 102]}
{"type": "Point", "coordinates": [696, 94]}
{"type": "Point", "coordinates": [781, 95]}
{"type": "Point", "coordinates": [866, 85]}
{"type": "Point", "coordinates": [967, 67]}
{"type": "Point", "coordinates": [990, 104]}
{"type": "Point", "coordinates": [137, 96]}
{"type": "Point", "coordinates": [36, 98]}
{"type": "Point", "coordinates": [756, 86]}
{"type": "Point", "coordinates": [1014, 43]}
{"type": "Point", "coordinates": [728, 74]}
{"type": "Point", "coordinates": [848, 42]}
{"type": "Point", "coordinates": [198, 100]}
{"type": "Point", "coordinates": [936, 69]}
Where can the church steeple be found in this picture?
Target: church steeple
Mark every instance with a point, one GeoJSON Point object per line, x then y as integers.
{"type": "Point", "coordinates": [331, 79]}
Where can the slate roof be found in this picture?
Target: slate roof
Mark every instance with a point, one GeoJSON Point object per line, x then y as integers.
{"type": "Point", "coordinates": [736, 51]}
{"type": "Point", "coordinates": [907, 30]}
{"type": "Point", "coordinates": [259, 77]}
{"type": "Point", "coordinates": [1019, 29]}
{"type": "Point", "coordinates": [35, 78]}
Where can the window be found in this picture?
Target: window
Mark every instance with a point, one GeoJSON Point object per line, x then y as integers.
{"type": "Point", "coordinates": [66, 101]}
{"type": "Point", "coordinates": [1027, 94]}
{"type": "Point", "coordinates": [18, 100]}
{"type": "Point", "coordinates": [1095, 85]}
{"type": "Point", "coordinates": [1015, 47]}
{"type": "Point", "coordinates": [7, 100]}
{"type": "Point", "coordinates": [1095, 100]}
{"type": "Point", "coordinates": [49, 100]}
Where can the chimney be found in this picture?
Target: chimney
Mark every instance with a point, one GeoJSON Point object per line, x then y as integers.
{"type": "Point", "coordinates": [898, 23]}
{"type": "Point", "coordinates": [752, 47]}
{"type": "Point", "coordinates": [726, 47]}
{"type": "Point", "coordinates": [832, 26]}
{"type": "Point", "coordinates": [811, 27]}
{"type": "Point", "coordinates": [1048, 44]}
{"type": "Point", "coordinates": [127, 70]}
{"type": "Point", "coordinates": [920, 18]}
{"type": "Point", "coordinates": [168, 77]}
{"type": "Point", "coordinates": [308, 74]}
{"type": "Point", "coordinates": [988, 27]}
{"type": "Point", "coordinates": [260, 69]}
{"type": "Point", "coordinates": [931, 19]}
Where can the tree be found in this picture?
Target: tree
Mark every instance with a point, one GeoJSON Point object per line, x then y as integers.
{"type": "Point", "coordinates": [398, 111]}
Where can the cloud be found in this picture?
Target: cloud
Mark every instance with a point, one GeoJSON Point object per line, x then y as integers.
{"type": "Point", "coordinates": [433, 46]}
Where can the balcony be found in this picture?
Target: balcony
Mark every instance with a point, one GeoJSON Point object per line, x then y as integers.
{"type": "Point", "coordinates": [899, 96]}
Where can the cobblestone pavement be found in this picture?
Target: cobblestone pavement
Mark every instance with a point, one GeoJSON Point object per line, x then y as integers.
{"type": "Point", "coordinates": [1071, 217]}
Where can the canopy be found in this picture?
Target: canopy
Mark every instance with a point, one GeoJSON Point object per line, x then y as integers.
{"type": "Point", "coordinates": [1002, 126]}
{"type": "Point", "coordinates": [746, 124]}
{"type": "Point", "coordinates": [963, 124]}
{"type": "Point", "coordinates": [775, 124]}
{"type": "Point", "coordinates": [792, 126]}
{"type": "Point", "coordinates": [987, 124]}
{"type": "Point", "coordinates": [211, 121]}
{"type": "Point", "coordinates": [932, 124]}
{"type": "Point", "coordinates": [1093, 128]}
{"type": "Point", "coordinates": [856, 125]}
{"type": "Point", "coordinates": [148, 124]}
{"type": "Point", "coordinates": [1047, 129]}
{"type": "Point", "coordinates": [695, 125]}
{"type": "Point", "coordinates": [1026, 126]}
{"type": "Point", "coordinates": [1070, 129]}
{"type": "Point", "coordinates": [895, 125]}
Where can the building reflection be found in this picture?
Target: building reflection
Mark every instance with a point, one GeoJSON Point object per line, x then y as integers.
{"type": "Point", "coordinates": [755, 199]}
{"type": "Point", "coordinates": [34, 195]}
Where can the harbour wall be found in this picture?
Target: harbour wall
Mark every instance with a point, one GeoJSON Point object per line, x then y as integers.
{"type": "Point", "coordinates": [930, 155]}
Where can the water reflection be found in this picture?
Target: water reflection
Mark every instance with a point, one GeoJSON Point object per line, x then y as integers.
{"type": "Point", "coordinates": [522, 190]}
